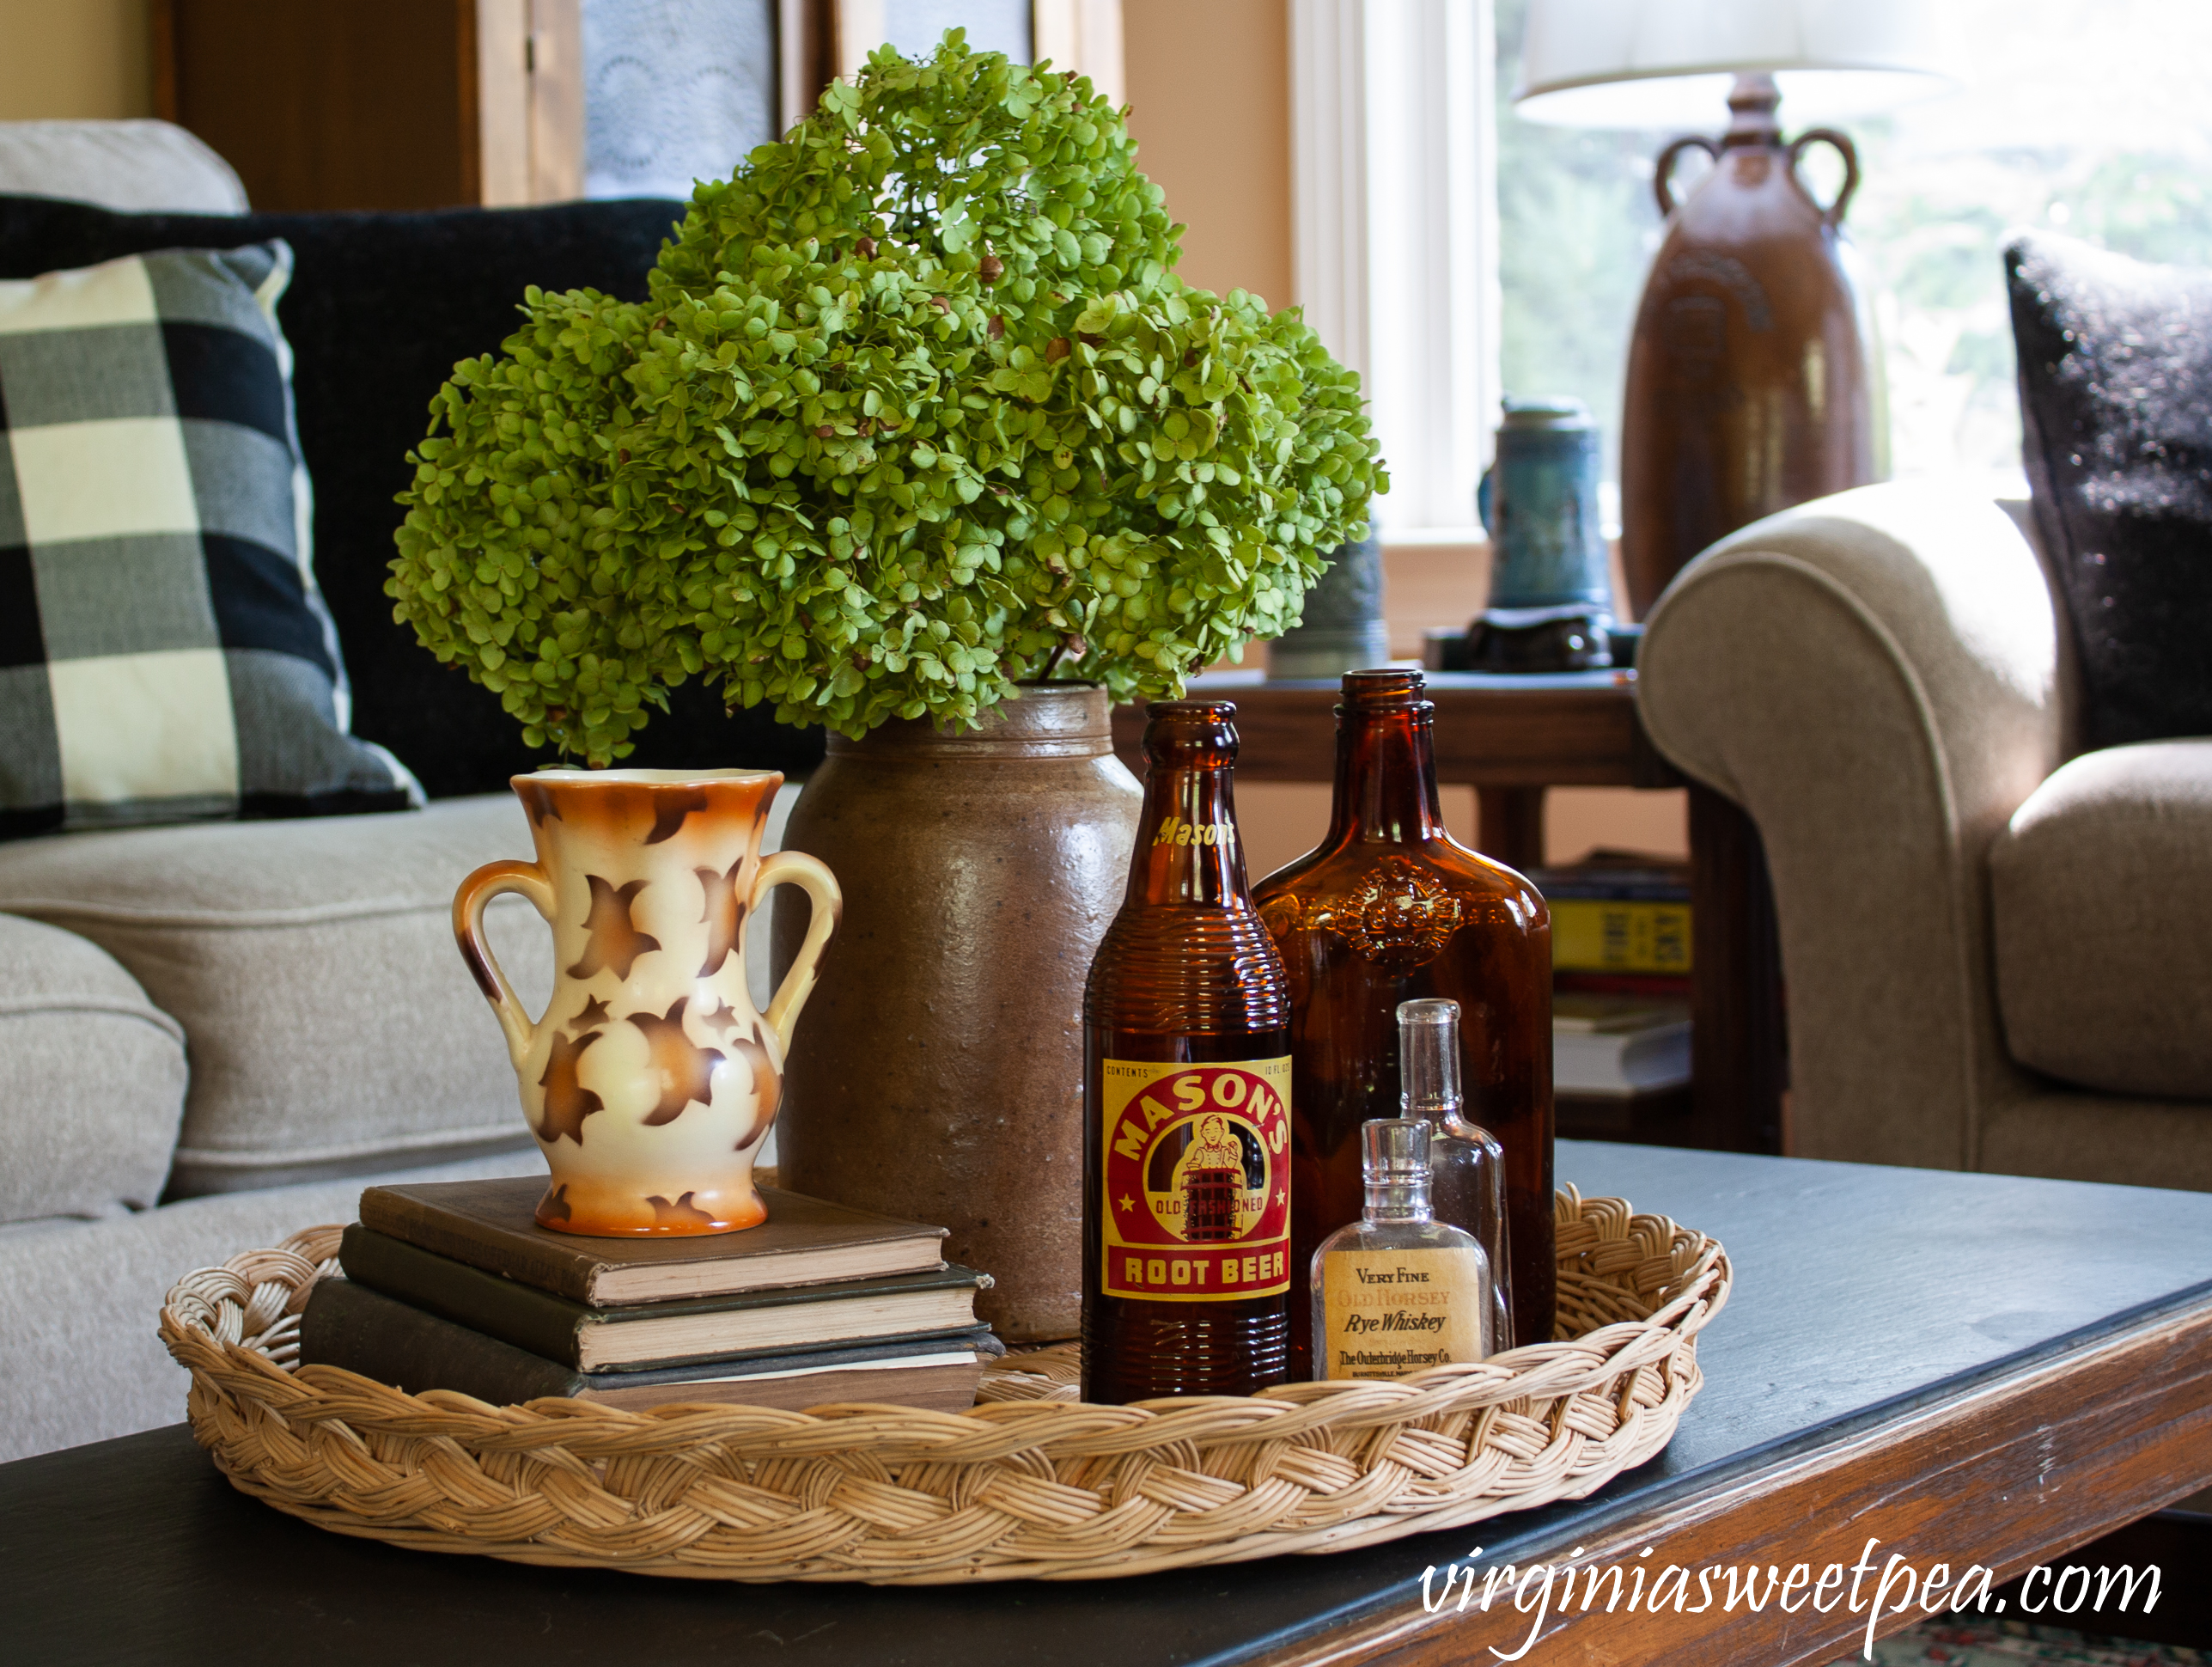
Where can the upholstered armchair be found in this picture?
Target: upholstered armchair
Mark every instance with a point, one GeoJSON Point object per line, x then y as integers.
{"type": "Point", "coordinates": [1997, 951]}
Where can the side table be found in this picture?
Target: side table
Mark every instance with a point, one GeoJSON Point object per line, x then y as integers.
{"type": "Point", "coordinates": [1510, 738]}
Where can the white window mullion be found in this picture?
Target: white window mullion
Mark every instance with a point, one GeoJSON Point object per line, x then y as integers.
{"type": "Point", "coordinates": [1329, 168]}
{"type": "Point", "coordinates": [1395, 238]}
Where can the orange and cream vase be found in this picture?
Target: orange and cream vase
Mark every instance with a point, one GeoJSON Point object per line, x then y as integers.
{"type": "Point", "coordinates": [649, 1080]}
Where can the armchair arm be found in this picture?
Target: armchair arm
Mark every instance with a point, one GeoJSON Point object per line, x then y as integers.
{"type": "Point", "coordinates": [1876, 678]}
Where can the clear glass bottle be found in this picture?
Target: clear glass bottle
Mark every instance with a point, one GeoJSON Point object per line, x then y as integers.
{"type": "Point", "coordinates": [1186, 1097]}
{"type": "Point", "coordinates": [1466, 1165]}
{"type": "Point", "coordinates": [1398, 1291]}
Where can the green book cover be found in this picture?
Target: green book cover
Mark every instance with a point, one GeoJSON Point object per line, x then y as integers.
{"type": "Point", "coordinates": [347, 1324]}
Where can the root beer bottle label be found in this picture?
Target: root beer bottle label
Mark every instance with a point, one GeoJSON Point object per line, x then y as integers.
{"type": "Point", "coordinates": [1197, 1177]}
{"type": "Point", "coordinates": [1186, 1137]}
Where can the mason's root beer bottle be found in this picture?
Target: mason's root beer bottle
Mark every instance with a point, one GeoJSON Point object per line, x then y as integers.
{"type": "Point", "coordinates": [1390, 908]}
{"type": "Point", "coordinates": [1187, 1098]}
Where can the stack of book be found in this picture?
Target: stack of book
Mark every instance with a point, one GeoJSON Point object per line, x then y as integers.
{"type": "Point", "coordinates": [1615, 1046]}
{"type": "Point", "coordinates": [454, 1286]}
{"type": "Point", "coordinates": [1620, 1006]}
{"type": "Point", "coordinates": [1620, 925]}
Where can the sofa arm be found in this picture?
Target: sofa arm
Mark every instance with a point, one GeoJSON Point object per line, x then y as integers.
{"type": "Point", "coordinates": [1876, 678]}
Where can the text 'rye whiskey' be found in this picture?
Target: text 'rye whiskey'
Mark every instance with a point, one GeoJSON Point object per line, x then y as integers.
{"type": "Point", "coordinates": [1186, 1102]}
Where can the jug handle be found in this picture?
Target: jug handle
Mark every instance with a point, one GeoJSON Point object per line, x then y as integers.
{"type": "Point", "coordinates": [1832, 216]}
{"type": "Point", "coordinates": [526, 880]}
{"type": "Point", "coordinates": [1663, 172]}
{"type": "Point", "coordinates": [812, 876]}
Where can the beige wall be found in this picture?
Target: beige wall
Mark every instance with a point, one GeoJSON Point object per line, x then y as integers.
{"type": "Point", "coordinates": [1209, 93]}
{"type": "Point", "coordinates": [63, 58]}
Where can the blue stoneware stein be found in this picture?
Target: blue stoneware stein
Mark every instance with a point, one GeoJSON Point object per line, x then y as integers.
{"type": "Point", "coordinates": [1551, 601]}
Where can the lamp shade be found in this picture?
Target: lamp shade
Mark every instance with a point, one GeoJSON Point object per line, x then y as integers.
{"type": "Point", "coordinates": [1669, 63]}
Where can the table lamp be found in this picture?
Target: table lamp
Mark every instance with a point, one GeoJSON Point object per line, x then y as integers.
{"type": "Point", "coordinates": [1749, 384]}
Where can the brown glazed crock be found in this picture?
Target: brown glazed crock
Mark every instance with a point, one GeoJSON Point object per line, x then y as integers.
{"type": "Point", "coordinates": [940, 1077]}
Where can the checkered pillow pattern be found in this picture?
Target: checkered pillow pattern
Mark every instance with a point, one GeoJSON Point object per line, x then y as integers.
{"type": "Point", "coordinates": [164, 653]}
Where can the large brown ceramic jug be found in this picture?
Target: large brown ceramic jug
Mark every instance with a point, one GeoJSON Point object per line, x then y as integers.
{"type": "Point", "coordinates": [1749, 383]}
{"type": "Point", "coordinates": [943, 1075]}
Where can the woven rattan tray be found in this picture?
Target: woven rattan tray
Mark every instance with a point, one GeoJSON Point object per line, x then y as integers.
{"type": "Point", "coordinates": [1030, 1484]}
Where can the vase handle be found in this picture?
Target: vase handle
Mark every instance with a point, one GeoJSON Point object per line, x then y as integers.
{"type": "Point", "coordinates": [526, 880]}
{"type": "Point", "coordinates": [812, 876]}
{"type": "Point", "coordinates": [1662, 171]}
{"type": "Point", "coordinates": [1832, 216]}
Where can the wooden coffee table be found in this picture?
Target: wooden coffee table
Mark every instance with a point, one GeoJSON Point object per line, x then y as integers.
{"type": "Point", "coordinates": [1966, 1369]}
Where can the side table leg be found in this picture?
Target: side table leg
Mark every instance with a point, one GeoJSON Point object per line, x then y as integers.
{"type": "Point", "coordinates": [1739, 1048]}
{"type": "Point", "coordinates": [1511, 826]}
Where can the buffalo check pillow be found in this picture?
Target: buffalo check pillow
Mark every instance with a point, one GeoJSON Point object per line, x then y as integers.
{"type": "Point", "coordinates": [164, 653]}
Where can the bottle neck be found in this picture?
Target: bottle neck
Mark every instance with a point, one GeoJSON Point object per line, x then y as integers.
{"type": "Point", "coordinates": [1400, 1198]}
{"type": "Point", "coordinates": [1450, 1118]}
{"type": "Point", "coordinates": [1188, 850]}
{"type": "Point", "coordinates": [1385, 789]}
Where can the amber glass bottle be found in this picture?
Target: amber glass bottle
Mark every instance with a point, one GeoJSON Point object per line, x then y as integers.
{"type": "Point", "coordinates": [1186, 1090]}
{"type": "Point", "coordinates": [1390, 908]}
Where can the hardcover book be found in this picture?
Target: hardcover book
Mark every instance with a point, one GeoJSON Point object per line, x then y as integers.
{"type": "Point", "coordinates": [805, 1240]}
{"type": "Point", "coordinates": [681, 1331]}
{"type": "Point", "coordinates": [347, 1324]}
{"type": "Point", "coordinates": [1619, 1044]}
{"type": "Point", "coordinates": [1618, 913]}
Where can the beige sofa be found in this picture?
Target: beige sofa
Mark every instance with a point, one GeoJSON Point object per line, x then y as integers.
{"type": "Point", "coordinates": [249, 1021]}
{"type": "Point", "coordinates": [1997, 956]}
{"type": "Point", "coordinates": [212, 1035]}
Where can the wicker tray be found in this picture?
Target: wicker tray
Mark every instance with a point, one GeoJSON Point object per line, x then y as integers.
{"type": "Point", "coordinates": [1030, 1484]}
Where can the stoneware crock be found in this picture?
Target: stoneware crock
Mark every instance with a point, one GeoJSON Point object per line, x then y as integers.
{"type": "Point", "coordinates": [649, 1080]}
{"type": "Point", "coordinates": [981, 867]}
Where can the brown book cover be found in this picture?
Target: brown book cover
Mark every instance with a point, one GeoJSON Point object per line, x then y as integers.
{"type": "Point", "coordinates": [805, 1240]}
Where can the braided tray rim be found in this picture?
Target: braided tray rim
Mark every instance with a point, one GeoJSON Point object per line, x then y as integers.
{"type": "Point", "coordinates": [1030, 1484]}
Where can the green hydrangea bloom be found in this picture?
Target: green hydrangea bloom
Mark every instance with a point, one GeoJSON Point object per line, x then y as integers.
{"type": "Point", "coordinates": [917, 409]}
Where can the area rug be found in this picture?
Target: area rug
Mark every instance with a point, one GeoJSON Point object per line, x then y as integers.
{"type": "Point", "coordinates": [2008, 1643]}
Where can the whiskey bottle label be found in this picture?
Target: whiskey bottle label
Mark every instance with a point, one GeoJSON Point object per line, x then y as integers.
{"type": "Point", "coordinates": [1389, 1313]}
{"type": "Point", "coordinates": [1197, 1177]}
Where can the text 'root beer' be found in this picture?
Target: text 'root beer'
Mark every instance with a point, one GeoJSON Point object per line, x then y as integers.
{"type": "Point", "coordinates": [1186, 1107]}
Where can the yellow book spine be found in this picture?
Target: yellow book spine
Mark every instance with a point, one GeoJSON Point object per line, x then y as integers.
{"type": "Point", "coordinates": [1592, 935]}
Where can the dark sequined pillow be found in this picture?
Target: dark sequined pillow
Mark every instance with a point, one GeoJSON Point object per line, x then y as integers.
{"type": "Point", "coordinates": [2116, 401]}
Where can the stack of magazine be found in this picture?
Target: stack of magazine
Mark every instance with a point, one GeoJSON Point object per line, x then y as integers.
{"type": "Point", "coordinates": [454, 1286]}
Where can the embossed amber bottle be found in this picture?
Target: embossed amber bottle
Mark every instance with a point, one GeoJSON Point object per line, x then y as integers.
{"type": "Point", "coordinates": [1388, 908]}
{"type": "Point", "coordinates": [1186, 1115]}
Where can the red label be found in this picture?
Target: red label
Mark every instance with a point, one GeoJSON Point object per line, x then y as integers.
{"type": "Point", "coordinates": [1196, 1179]}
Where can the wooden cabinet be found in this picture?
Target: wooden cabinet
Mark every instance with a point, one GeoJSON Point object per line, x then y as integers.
{"type": "Point", "coordinates": [413, 104]}
{"type": "Point", "coordinates": [343, 105]}
{"type": "Point", "coordinates": [408, 104]}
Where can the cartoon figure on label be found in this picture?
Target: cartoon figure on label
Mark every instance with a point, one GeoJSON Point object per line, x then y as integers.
{"type": "Point", "coordinates": [1209, 1174]}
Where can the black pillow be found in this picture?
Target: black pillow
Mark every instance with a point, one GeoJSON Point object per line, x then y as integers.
{"type": "Point", "coordinates": [380, 308]}
{"type": "Point", "coordinates": [2116, 402]}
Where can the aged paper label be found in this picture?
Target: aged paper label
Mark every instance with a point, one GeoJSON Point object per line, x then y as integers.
{"type": "Point", "coordinates": [1387, 1313]}
{"type": "Point", "coordinates": [1196, 1180]}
